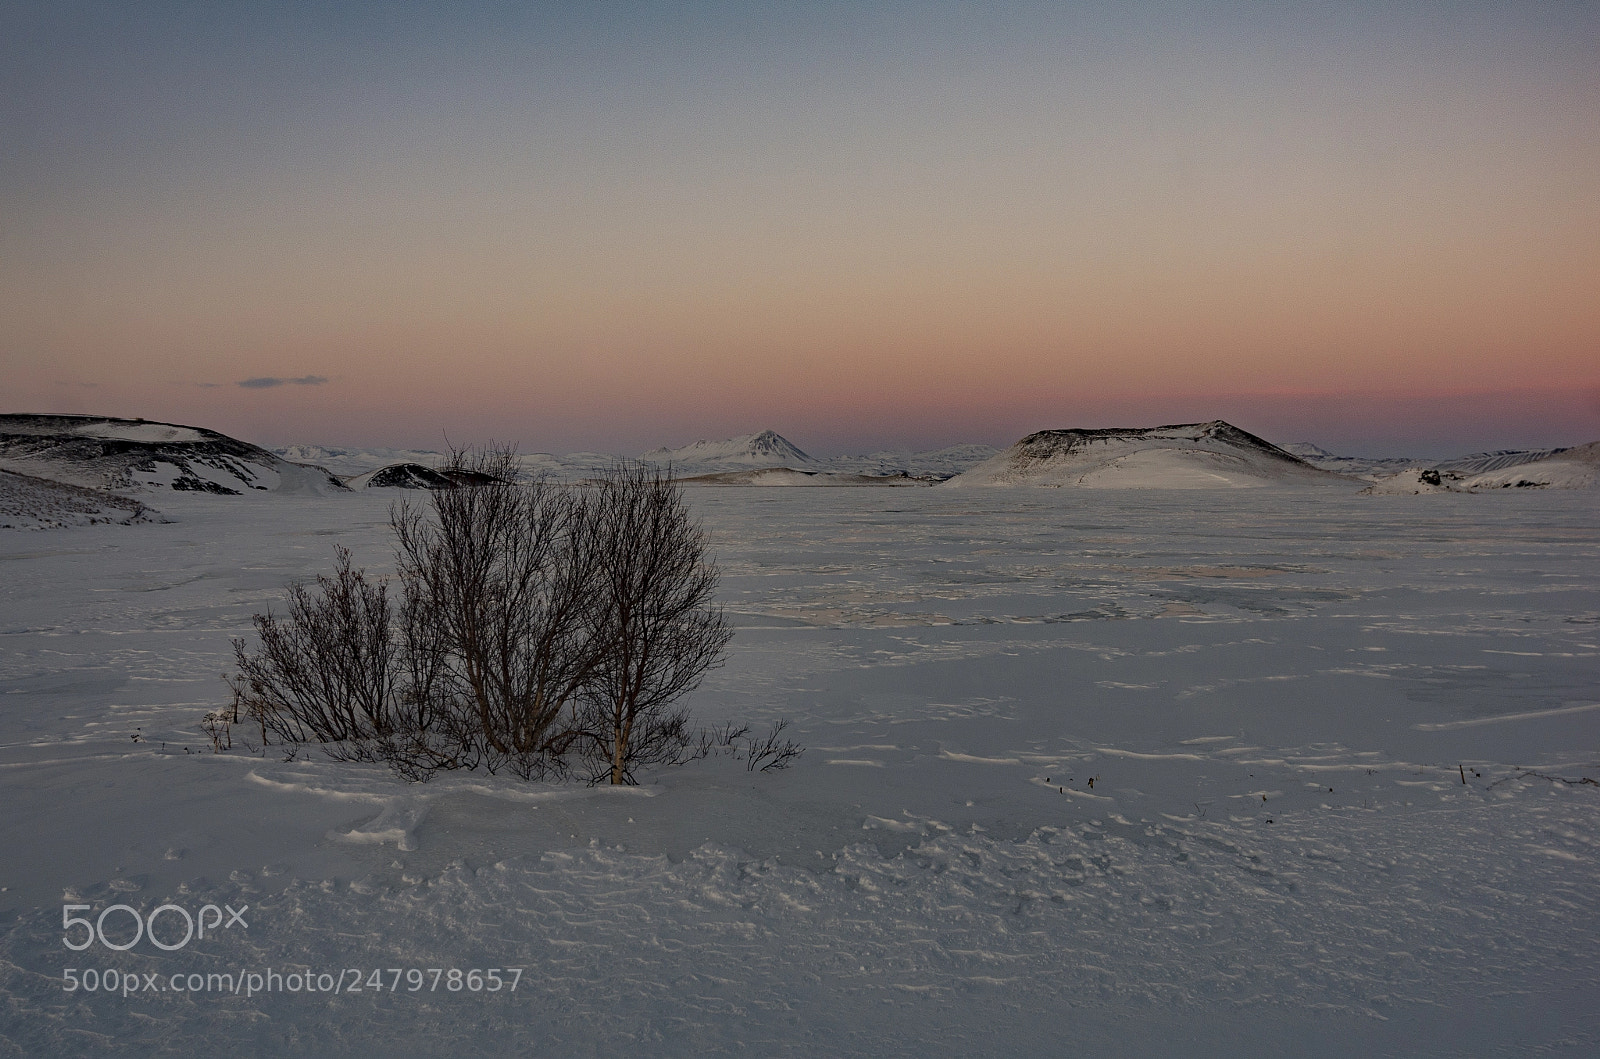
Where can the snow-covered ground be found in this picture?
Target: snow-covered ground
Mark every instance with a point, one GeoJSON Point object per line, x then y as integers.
{"type": "Point", "coordinates": [784, 477]}
{"type": "Point", "coordinates": [1277, 695]}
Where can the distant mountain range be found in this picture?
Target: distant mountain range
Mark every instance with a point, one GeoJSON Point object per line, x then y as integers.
{"type": "Point", "coordinates": [68, 469]}
{"type": "Point", "coordinates": [747, 452]}
{"type": "Point", "coordinates": [1191, 455]}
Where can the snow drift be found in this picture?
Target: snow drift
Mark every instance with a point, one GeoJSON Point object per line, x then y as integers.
{"type": "Point", "coordinates": [98, 452]}
{"type": "Point", "coordinates": [1215, 455]}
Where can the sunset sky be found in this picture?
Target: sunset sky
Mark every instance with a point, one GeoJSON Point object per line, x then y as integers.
{"type": "Point", "coordinates": [618, 225]}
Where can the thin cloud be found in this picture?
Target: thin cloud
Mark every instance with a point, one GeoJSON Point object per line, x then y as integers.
{"type": "Point", "coordinates": [267, 382]}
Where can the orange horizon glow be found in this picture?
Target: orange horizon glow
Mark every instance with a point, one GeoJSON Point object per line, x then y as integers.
{"type": "Point", "coordinates": [931, 229]}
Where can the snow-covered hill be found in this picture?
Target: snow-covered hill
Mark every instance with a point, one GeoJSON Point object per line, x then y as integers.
{"type": "Point", "coordinates": [766, 449]}
{"type": "Point", "coordinates": [1499, 460]}
{"type": "Point", "coordinates": [347, 463]}
{"type": "Point", "coordinates": [27, 502]}
{"type": "Point", "coordinates": [416, 476]}
{"type": "Point", "coordinates": [1375, 468]}
{"type": "Point", "coordinates": [99, 452]}
{"type": "Point", "coordinates": [1575, 468]}
{"type": "Point", "coordinates": [401, 476]}
{"type": "Point", "coordinates": [1215, 455]}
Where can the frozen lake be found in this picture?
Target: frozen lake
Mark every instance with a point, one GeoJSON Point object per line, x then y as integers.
{"type": "Point", "coordinates": [1342, 752]}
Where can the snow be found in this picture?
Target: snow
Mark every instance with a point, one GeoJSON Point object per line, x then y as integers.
{"type": "Point", "coordinates": [399, 476]}
{"type": "Point", "coordinates": [1381, 467]}
{"type": "Point", "coordinates": [1499, 460]}
{"type": "Point", "coordinates": [101, 427]}
{"type": "Point", "coordinates": [351, 462]}
{"type": "Point", "coordinates": [1413, 481]}
{"type": "Point", "coordinates": [156, 432]}
{"type": "Point", "coordinates": [1575, 468]}
{"type": "Point", "coordinates": [788, 477]}
{"type": "Point", "coordinates": [1307, 451]}
{"type": "Point", "coordinates": [1275, 693]}
{"type": "Point", "coordinates": [38, 503]}
{"type": "Point", "coordinates": [939, 463]}
{"type": "Point", "coordinates": [1187, 456]}
{"type": "Point", "coordinates": [1357, 466]}
{"type": "Point", "coordinates": [765, 449]}
{"type": "Point", "coordinates": [760, 451]}
{"type": "Point", "coordinates": [134, 455]}
{"type": "Point", "coordinates": [1168, 469]}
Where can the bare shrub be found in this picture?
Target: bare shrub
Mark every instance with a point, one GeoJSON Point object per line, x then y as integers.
{"type": "Point", "coordinates": [498, 578]}
{"type": "Point", "coordinates": [720, 739]}
{"type": "Point", "coordinates": [772, 751]}
{"type": "Point", "coordinates": [218, 725]}
{"type": "Point", "coordinates": [536, 622]}
{"type": "Point", "coordinates": [325, 671]}
{"type": "Point", "coordinates": [655, 619]}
